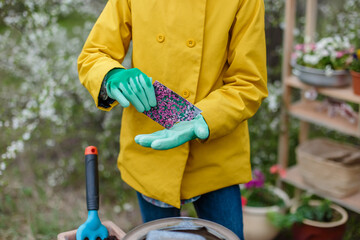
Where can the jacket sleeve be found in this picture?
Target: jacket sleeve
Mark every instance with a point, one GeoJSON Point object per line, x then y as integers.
{"type": "Point", "coordinates": [105, 47]}
{"type": "Point", "coordinates": [245, 80]}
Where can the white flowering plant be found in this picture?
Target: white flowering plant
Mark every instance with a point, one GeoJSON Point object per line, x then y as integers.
{"type": "Point", "coordinates": [331, 53]}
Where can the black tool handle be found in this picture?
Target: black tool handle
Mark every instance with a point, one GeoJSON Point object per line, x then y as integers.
{"type": "Point", "coordinates": [92, 178]}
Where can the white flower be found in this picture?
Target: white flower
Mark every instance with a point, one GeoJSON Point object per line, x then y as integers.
{"type": "Point", "coordinates": [323, 53]}
{"type": "Point", "coordinates": [337, 40]}
{"type": "Point", "coordinates": [311, 59]}
{"type": "Point", "coordinates": [323, 43]}
{"type": "Point", "coordinates": [2, 166]}
{"type": "Point", "coordinates": [328, 71]}
{"type": "Point", "coordinates": [117, 209]}
{"type": "Point", "coordinates": [128, 207]}
{"type": "Point", "coordinates": [346, 43]}
{"type": "Point", "coordinates": [26, 136]}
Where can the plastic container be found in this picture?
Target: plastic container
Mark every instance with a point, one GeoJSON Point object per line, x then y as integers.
{"type": "Point", "coordinates": [111, 227]}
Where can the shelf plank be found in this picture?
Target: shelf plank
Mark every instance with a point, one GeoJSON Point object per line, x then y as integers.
{"type": "Point", "coordinates": [343, 93]}
{"type": "Point", "coordinates": [309, 111]}
{"type": "Point", "coordinates": [293, 177]}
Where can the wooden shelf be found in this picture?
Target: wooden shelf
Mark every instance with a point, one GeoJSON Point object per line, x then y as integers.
{"type": "Point", "coordinates": [294, 177]}
{"type": "Point", "coordinates": [344, 93]}
{"type": "Point", "coordinates": [309, 111]}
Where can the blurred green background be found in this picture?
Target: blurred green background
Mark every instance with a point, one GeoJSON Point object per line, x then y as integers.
{"type": "Point", "coordinates": [48, 118]}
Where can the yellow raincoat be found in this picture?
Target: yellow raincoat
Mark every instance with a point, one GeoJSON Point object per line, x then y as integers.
{"type": "Point", "coordinates": [211, 52]}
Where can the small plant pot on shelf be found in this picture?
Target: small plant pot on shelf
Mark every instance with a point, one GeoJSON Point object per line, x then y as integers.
{"type": "Point", "coordinates": [355, 82]}
{"type": "Point", "coordinates": [114, 231]}
{"type": "Point", "coordinates": [314, 230]}
{"type": "Point", "coordinates": [257, 226]}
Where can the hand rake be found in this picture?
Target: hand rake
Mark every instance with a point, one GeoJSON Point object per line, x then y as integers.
{"type": "Point", "coordinates": [92, 229]}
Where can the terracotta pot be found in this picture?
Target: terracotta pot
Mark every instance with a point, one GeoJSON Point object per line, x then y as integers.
{"type": "Point", "coordinates": [256, 223]}
{"type": "Point", "coordinates": [314, 230]}
{"type": "Point", "coordinates": [111, 227]}
{"type": "Point", "coordinates": [356, 82]}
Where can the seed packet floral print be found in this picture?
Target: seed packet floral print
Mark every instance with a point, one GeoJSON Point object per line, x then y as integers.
{"type": "Point", "coordinates": [171, 107]}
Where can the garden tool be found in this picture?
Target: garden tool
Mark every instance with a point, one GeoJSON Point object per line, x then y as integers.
{"type": "Point", "coordinates": [92, 229]}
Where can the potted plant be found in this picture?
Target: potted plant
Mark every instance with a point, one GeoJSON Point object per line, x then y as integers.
{"type": "Point", "coordinates": [323, 63]}
{"type": "Point", "coordinates": [259, 198]}
{"type": "Point", "coordinates": [312, 219]}
{"type": "Point", "coordinates": [355, 72]}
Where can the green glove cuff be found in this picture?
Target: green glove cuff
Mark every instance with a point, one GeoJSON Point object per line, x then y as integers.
{"type": "Point", "coordinates": [131, 86]}
{"type": "Point", "coordinates": [114, 71]}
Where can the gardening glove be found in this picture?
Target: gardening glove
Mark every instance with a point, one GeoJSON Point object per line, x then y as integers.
{"type": "Point", "coordinates": [131, 86]}
{"type": "Point", "coordinates": [180, 133]}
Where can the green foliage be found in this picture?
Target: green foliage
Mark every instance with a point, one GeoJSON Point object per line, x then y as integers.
{"type": "Point", "coordinates": [284, 221]}
{"type": "Point", "coordinates": [264, 132]}
{"type": "Point", "coordinates": [352, 227]}
{"type": "Point", "coordinates": [262, 197]}
{"type": "Point", "coordinates": [264, 137]}
{"type": "Point", "coordinates": [321, 213]}
{"type": "Point", "coordinates": [355, 65]}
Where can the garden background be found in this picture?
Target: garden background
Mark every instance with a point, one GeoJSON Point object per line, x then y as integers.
{"type": "Point", "coordinates": [47, 118]}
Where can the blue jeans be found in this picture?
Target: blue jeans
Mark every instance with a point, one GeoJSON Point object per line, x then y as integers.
{"type": "Point", "coordinates": [222, 206]}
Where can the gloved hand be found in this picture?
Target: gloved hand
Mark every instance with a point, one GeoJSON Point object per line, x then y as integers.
{"type": "Point", "coordinates": [179, 134]}
{"type": "Point", "coordinates": [131, 86]}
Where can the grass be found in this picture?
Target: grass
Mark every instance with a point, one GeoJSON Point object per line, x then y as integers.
{"type": "Point", "coordinates": [31, 209]}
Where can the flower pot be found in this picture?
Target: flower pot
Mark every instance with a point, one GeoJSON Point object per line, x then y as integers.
{"type": "Point", "coordinates": [256, 223]}
{"type": "Point", "coordinates": [111, 227]}
{"type": "Point", "coordinates": [322, 78]}
{"type": "Point", "coordinates": [355, 82]}
{"type": "Point", "coordinates": [314, 230]}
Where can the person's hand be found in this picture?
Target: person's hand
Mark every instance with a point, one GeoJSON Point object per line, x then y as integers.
{"type": "Point", "coordinates": [179, 134]}
{"type": "Point", "coordinates": [131, 86]}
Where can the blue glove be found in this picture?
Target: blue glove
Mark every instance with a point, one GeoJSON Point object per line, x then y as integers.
{"type": "Point", "coordinates": [131, 86]}
{"type": "Point", "coordinates": [179, 134]}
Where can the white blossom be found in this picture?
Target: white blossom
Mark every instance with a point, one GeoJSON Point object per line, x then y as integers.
{"type": "Point", "coordinates": [117, 209]}
{"type": "Point", "coordinates": [128, 207]}
{"type": "Point", "coordinates": [2, 166]}
{"type": "Point", "coordinates": [329, 71]}
{"type": "Point", "coordinates": [311, 59]}
{"type": "Point", "coordinates": [39, 52]}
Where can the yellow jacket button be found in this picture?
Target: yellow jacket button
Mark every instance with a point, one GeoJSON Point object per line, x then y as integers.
{"type": "Point", "coordinates": [160, 38]}
{"type": "Point", "coordinates": [186, 93]}
{"type": "Point", "coordinates": [190, 43]}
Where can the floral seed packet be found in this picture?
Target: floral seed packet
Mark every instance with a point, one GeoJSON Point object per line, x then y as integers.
{"type": "Point", "coordinates": [171, 107]}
